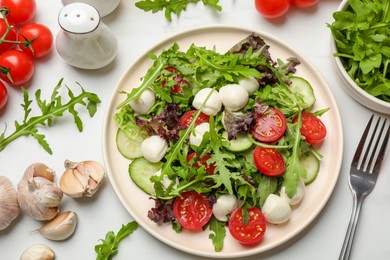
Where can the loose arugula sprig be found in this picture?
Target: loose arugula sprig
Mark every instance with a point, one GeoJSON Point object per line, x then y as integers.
{"type": "Point", "coordinates": [49, 110]}
{"type": "Point", "coordinates": [110, 243]}
{"type": "Point", "coordinates": [172, 6]}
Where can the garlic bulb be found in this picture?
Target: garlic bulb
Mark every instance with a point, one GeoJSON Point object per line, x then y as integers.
{"type": "Point", "coordinates": [81, 178]}
{"type": "Point", "coordinates": [61, 227]}
{"type": "Point", "coordinates": [37, 252]}
{"type": "Point", "coordinates": [38, 196]}
{"type": "Point", "coordinates": [9, 207]}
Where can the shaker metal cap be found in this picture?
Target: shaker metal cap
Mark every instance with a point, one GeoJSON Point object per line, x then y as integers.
{"type": "Point", "coordinates": [79, 18]}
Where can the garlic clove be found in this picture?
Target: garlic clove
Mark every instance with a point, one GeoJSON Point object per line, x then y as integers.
{"type": "Point", "coordinates": [37, 252]}
{"type": "Point", "coordinates": [9, 207]}
{"type": "Point", "coordinates": [81, 178]}
{"type": "Point", "coordinates": [38, 196]}
{"type": "Point", "coordinates": [60, 228]}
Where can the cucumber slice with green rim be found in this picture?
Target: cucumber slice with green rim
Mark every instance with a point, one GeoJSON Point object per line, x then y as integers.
{"type": "Point", "coordinates": [240, 144]}
{"type": "Point", "coordinates": [303, 88]}
{"type": "Point", "coordinates": [129, 143]}
{"type": "Point", "coordinates": [312, 166]}
{"type": "Point", "coordinates": [140, 171]}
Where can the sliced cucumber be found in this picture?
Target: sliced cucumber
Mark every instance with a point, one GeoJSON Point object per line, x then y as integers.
{"type": "Point", "coordinates": [312, 166]}
{"type": "Point", "coordinates": [141, 170]}
{"type": "Point", "coordinates": [240, 144]}
{"type": "Point", "coordinates": [129, 143]}
{"type": "Point", "coordinates": [303, 88]}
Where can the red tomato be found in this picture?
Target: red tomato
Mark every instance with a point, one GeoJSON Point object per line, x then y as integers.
{"type": "Point", "coordinates": [272, 8]}
{"type": "Point", "coordinates": [19, 11]}
{"type": "Point", "coordinates": [16, 67]}
{"type": "Point", "coordinates": [313, 129]}
{"type": "Point", "coordinates": [269, 161]}
{"type": "Point", "coordinates": [253, 231]}
{"type": "Point", "coordinates": [187, 117]}
{"type": "Point", "coordinates": [39, 37]}
{"type": "Point", "coordinates": [3, 95]}
{"type": "Point", "coordinates": [178, 88]}
{"type": "Point", "coordinates": [192, 210]}
{"type": "Point", "coordinates": [269, 126]}
{"type": "Point", "coordinates": [209, 168]}
{"type": "Point", "coordinates": [304, 3]}
{"type": "Point", "coordinates": [11, 36]}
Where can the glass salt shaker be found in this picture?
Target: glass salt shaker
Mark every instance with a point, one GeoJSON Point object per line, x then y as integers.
{"type": "Point", "coordinates": [84, 41]}
{"type": "Point", "coordinates": [104, 7]}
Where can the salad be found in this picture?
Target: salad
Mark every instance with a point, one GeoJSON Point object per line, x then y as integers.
{"type": "Point", "coordinates": [221, 140]}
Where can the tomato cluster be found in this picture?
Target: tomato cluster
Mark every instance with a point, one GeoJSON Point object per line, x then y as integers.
{"type": "Point", "coordinates": [276, 8]}
{"type": "Point", "coordinates": [21, 40]}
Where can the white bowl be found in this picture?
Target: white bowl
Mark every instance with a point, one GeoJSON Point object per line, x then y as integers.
{"type": "Point", "coordinates": [352, 88]}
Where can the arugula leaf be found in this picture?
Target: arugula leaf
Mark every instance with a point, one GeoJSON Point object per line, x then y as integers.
{"type": "Point", "coordinates": [172, 6]}
{"type": "Point", "coordinates": [49, 110]}
{"type": "Point", "coordinates": [109, 245]}
{"type": "Point", "coordinates": [218, 233]}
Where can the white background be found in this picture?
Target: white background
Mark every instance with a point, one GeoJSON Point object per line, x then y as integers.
{"type": "Point", "coordinates": [137, 31]}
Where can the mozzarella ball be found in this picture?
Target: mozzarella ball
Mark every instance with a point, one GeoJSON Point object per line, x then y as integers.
{"type": "Point", "coordinates": [213, 104]}
{"type": "Point", "coordinates": [233, 96]}
{"type": "Point", "coordinates": [276, 210]}
{"type": "Point", "coordinates": [224, 205]}
{"type": "Point", "coordinates": [250, 84]}
{"type": "Point", "coordinates": [154, 148]}
{"type": "Point", "coordinates": [197, 137]}
{"type": "Point", "coordinates": [145, 102]}
{"type": "Point", "coordinates": [298, 196]}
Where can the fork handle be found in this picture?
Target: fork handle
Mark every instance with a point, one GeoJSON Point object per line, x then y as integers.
{"type": "Point", "coordinates": [349, 236]}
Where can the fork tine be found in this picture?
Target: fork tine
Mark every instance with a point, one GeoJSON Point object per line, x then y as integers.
{"type": "Point", "coordinates": [359, 149]}
{"type": "Point", "coordinates": [367, 154]}
{"type": "Point", "coordinates": [382, 151]}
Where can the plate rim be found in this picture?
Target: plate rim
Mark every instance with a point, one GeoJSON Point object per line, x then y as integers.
{"type": "Point", "coordinates": [250, 251]}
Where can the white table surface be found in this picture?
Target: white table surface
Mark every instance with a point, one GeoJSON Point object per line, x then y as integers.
{"type": "Point", "coordinates": [137, 31]}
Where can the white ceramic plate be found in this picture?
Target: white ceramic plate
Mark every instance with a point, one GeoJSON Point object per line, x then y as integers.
{"type": "Point", "coordinates": [138, 203]}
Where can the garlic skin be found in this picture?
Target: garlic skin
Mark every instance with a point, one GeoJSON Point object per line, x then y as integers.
{"type": "Point", "coordinates": [61, 227]}
{"type": "Point", "coordinates": [38, 196]}
{"type": "Point", "coordinates": [9, 207]}
{"type": "Point", "coordinates": [38, 252]}
{"type": "Point", "coordinates": [81, 178]}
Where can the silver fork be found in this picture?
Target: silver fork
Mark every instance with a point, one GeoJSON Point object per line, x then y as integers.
{"type": "Point", "coordinates": [364, 171]}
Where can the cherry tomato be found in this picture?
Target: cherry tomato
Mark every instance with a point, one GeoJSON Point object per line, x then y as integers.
{"type": "Point", "coordinates": [304, 3]}
{"type": "Point", "coordinates": [272, 8]}
{"type": "Point", "coordinates": [209, 168]}
{"type": "Point", "coordinates": [10, 37]}
{"type": "Point", "coordinates": [192, 210]}
{"type": "Point", "coordinates": [19, 11]}
{"type": "Point", "coordinates": [186, 119]}
{"type": "Point", "coordinates": [3, 95]}
{"type": "Point", "coordinates": [253, 231]}
{"type": "Point", "coordinates": [16, 67]}
{"type": "Point", "coordinates": [177, 88]}
{"type": "Point", "coordinates": [313, 129]}
{"type": "Point", "coordinates": [269, 161]}
{"type": "Point", "coordinates": [269, 126]}
{"type": "Point", "coordinates": [40, 38]}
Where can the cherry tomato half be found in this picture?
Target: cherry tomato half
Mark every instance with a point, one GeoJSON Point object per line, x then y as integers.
{"type": "Point", "coordinates": [209, 168]}
{"type": "Point", "coordinates": [186, 119]}
{"type": "Point", "coordinates": [3, 95]}
{"type": "Point", "coordinates": [177, 88]}
{"type": "Point", "coordinates": [269, 161]}
{"type": "Point", "coordinates": [269, 126]}
{"type": "Point", "coordinates": [253, 231]}
{"type": "Point", "coordinates": [16, 67]}
{"type": "Point", "coordinates": [313, 129]}
{"type": "Point", "coordinates": [10, 37]}
{"type": "Point", "coordinates": [192, 210]}
{"type": "Point", "coordinates": [304, 3]}
{"type": "Point", "coordinates": [40, 38]}
{"type": "Point", "coordinates": [19, 11]}
{"type": "Point", "coordinates": [272, 8]}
